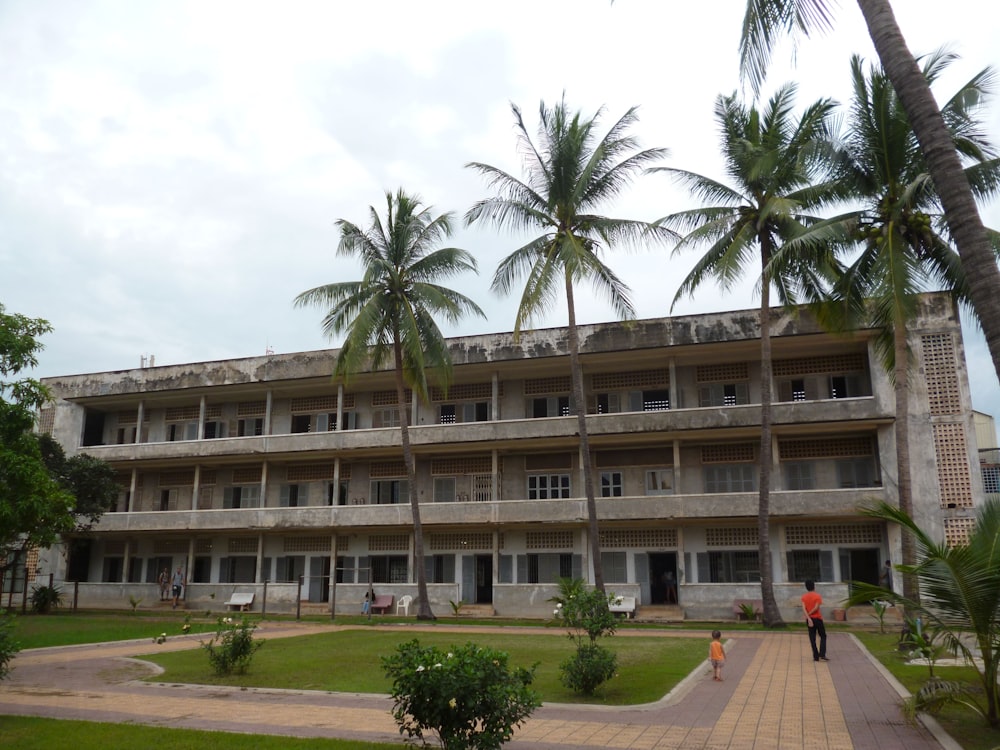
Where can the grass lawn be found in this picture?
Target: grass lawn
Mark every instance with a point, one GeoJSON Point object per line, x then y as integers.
{"type": "Point", "coordinates": [963, 724]}
{"type": "Point", "coordinates": [63, 629]}
{"type": "Point", "coordinates": [30, 733]}
{"type": "Point", "coordinates": [350, 661]}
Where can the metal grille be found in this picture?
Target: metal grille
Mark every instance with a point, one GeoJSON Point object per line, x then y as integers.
{"type": "Point", "coordinates": [606, 381]}
{"type": "Point", "coordinates": [389, 398]}
{"type": "Point", "coordinates": [732, 372]}
{"type": "Point", "coordinates": [539, 386]}
{"type": "Point", "coordinates": [203, 546]}
{"type": "Point", "coordinates": [314, 404]}
{"type": "Point", "coordinates": [638, 538]}
{"type": "Point", "coordinates": [465, 392]}
{"type": "Point", "coordinates": [46, 420]}
{"type": "Point", "coordinates": [727, 454]}
{"type": "Point", "coordinates": [743, 536]}
{"type": "Point", "coordinates": [845, 533]}
{"type": "Point", "coordinates": [456, 466]}
{"type": "Point", "coordinates": [314, 472]}
{"type": "Point", "coordinates": [461, 541]}
{"type": "Point", "coordinates": [181, 413]}
{"type": "Point", "coordinates": [941, 374]}
{"type": "Point", "coordinates": [382, 469]}
{"type": "Point", "coordinates": [207, 477]}
{"type": "Point", "coordinates": [169, 546]}
{"type": "Point", "coordinates": [834, 363]}
{"type": "Point", "coordinates": [953, 466]}
{"type": "Point", "coordinates": [126, 418]}
{"type": "Point", "coordinates": [177, 478]}
{"type": "Point", "coordinates": [825, 448]}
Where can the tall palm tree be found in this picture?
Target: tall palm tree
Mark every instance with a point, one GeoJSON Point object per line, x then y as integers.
{"type": "Point", "coordinates": [389, 316]}
{"type": "Point", "coordinates": [774, 161]}
{"type": "Point", "coordinates": [572, 171]}
{"type": "Point", "coordinates": [902, 253]}
{"type": "Point", "coordinates": [960, 593]}
{"type": "Point", "coordinates": [766, 21]}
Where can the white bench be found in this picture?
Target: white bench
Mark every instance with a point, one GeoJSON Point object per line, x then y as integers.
{"type": "Point", "coordinates": [242, 601]}
{"type": "Point", "coordinates": [623, 605]}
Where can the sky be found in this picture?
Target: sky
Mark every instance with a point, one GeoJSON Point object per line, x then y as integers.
{"type": "Point", "coordinates": [171, 172]}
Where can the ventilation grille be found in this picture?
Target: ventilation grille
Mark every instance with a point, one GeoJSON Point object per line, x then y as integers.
{"type": "Point", "coordinates": [824, 448]}
{"type": "Point", "coordinates": [383, 469]}
{"type": "Point", "coordinates": [953, 466]}
{"type": "Point", "coordinates": [734, 372]}
{"type": "Point", "coordinates": [461, 541]}
{"type": "Point", "coordinates": [243, 545]}
{"type": "Point", "coordinates": [834, 363]}
{"type": "Point", "coordinates": [126, 418]}
{"type": "Point", "coordinates": [465, 392]}
{"type": "Point", "coordinates": [207, 478]}
{"type": "Point", "coordinates": [251, 409]}
{"type": "Point", "coordinates": [307, 544]}
{"type": "Point", "coordinates": [247, 475]}
{"type": "Point", "coordinates": [941, 374]}
{"type": "Point", "coordinates": [314, 472]}
{"type": "Point", "coordinates": [389, 398]}
{"type": "Point", "coordinates": [608, 381]}
{"type": "Point", "coordinates": [459, 466]}
{"type": "Point", "coordinates": [727, 454]}
{"type": "Point", "coordinates": [848, 533]}
{"type": "Point", "coordinates": [182, 413]}
{"type": "Point", "coordinates": [638, 538]}
{"type": "Point", "coordinates": [47, 420]}
{"type": "Point", "coordinates": [170, 546]}
{"type": "Point", "coordinates": [177, 478]}
{"type": "Point", "coordinates": [540, 386]}
{"type": "Point", "coordinates": [957, 531]}
{"type": "Point", "coordinates": [549, 540]}
{"type": "Point", "coordinates": [745, 536]}
{"type": "Point", "coordinates": [389, 543]}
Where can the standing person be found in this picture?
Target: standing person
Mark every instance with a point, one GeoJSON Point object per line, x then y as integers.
{"type": "Point", "coordinates": [164, 583]}
{"type": "Point", "coordinates": [178, 585]}
{"type": "Point", "coordinates": [885, 580]}
{"type": "Point", "coordinates": [811, 603]}
{"type": "Point", "coordinates": [717, 655]}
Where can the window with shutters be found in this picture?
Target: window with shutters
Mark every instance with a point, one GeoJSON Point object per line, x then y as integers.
{"type": "Point", "coordinates": [294, 495]}
{"type": "Point", "coordinates": [444, 490]}
{"type": "Point", "coordinates": [798, 475]}
{"type": "Point", "coordinates": [241, 497]}
{"type": "Point", "coordinates": [549, 406]}
{"type": "Point", "coordinates": [389, 492]}
{"type": "Point", "coordinates": [723, 394]}
{"type": "Point", "coordinates": [730, 478]}
{"type": "Point", "coordinates": [857, 472]}
{"type": "Point", "coordinates": [846, 386]}
{"type": "Point", "coordinates": [249, 427]}
{"type": "Point", "coordinates": [660, 482]}
{"type": "Point", "coordinates": [548, 486]}
{"type": "Point", "coordinates": [475, 411]}
{"type": "Point", "coordinates": [612, 484]}
{"type": "Point", "coordinates": [388, 569]}
{"type": "Point", "coordinates": [729, 566]}
{"type": "Point", "coordinates": [177, 431]}
{"type": "Point", "coordinates": [810, 565]}
{"type": "Point", "coordinates": [546, 567]}
{"type": "Point", "coordinates": [615, 570]}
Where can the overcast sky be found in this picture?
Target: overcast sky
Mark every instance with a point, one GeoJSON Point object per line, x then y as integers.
{"type": "Point", "coordinates": [170, 172]}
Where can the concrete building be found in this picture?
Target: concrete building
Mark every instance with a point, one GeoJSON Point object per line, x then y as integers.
{"type": "Point", "coordinates": [262, 475]}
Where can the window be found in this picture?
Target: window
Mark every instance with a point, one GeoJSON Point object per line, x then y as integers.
{"type": "Point", "coordinates": [478, 411]}
{"type": "Point", "coordinates": [126, 436]}
{"type": "Point", "coordinates": [444, 489]}
{"type": "Point", "coordinates": [290, 568]}
{"type": "Point", "coordinates": [547, 567]}
{"type": "Point", "coordinates": [446, 414]}
{"type": "Point", "coordinates": [182, 431]}
{"type": "Point", "coordinates": [241, 569]}
{"type": "Point", "coordinates": [385, 418]}
{"type": "Point", "coordinates": [249, 427]}
{"type": "Point", "coordinates": [202, 569]}
{"type": "Point", "coordinates": [611, 484]}
{"type": "Point", "coordinates": [660, 482]}
{"type": "Point", "coordinates": [112, 569]}
{"type": "Point", "coordinates": [440, 568]}
{"type": "Point", "coordinates": [548, 486]}
{"type": "Point", "coordinates": [168, 500]}
{"type": "Point", "coordinates": [856, 472]}
{"type": "Point", "coordinates": [728, 566]}
{"type": "Point", "coordinates": [731, 478]}
{"type": "Point", "coordinates": [341, 496]}
{"type": "Point", "coordinates": [550, 406]}
{"type": "Point", "coordinates": [810, 564]}
{"type": "Point", "coordinates": [613, 564]}
{"type": "Point", "coordinates": [301, 423]}
{"type": "Point", "coordinates": [389, 569]}
{"type": "Point", "coordinates": [797, 389]}
{"type": "Point", "coordinates": [241, 497]}
{"type": "Point", "coordinates": [658, 400]}
{"type": "Point", "coordinates": [293, 495]}
{"type": "Point", "coordinates": [608, 403]}
{"type": "Point", "coordinates": [723, 394]}
{"type": "Point", "coordinates": [845, 386]}
{"type": "Point", "coordinates": [389, 492]}
{"type": "Point", "coordinates": [214, 430]}
{"type": "Point", "coordinates": [799, 475]}
{"type": "Point", "coordinates": [991, 479]}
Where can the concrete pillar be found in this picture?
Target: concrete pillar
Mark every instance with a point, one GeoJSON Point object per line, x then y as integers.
{"type": "Point", "coordinates": [140, 416]}
{"type": "Point", "coordinates": [132, 488]}
{"type": "Point", "coordinates": [125, 561]}
{"type": "Point", "coordinates": [260, 558]}
{"type": "Point", "coordinates": [675, 390]}
{"type": "Point", "coordinates": [495, 397]}
{"type": "Point", "coordinates": [340, 405]}
{"type": "Point", "coordinates": [335, 500]}
{"type": "Point", "coordinates": [263, 484]}
{"type": "Point", "coordinates": [267, 412]}
{"type": "Point", "coordinates": [196, 490]}
{"type": "Point", "coordinates": [201, 419]}
{"type": "Point", "coordinates": [495, 478]}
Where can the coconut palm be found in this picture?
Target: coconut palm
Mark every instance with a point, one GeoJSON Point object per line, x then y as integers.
{"type": "Point", "coordinates": [389, 316]}
{"type": "Point", "coordinates": [959, 592]}
{"type": "Point", "coordinates": [774, 161]}
{"type": "Point", "coordinates": [766, 21]}
{"type": "Point", "coordinates": [572, 171]}
{"type": "Point", "coordinates": [902, 251]}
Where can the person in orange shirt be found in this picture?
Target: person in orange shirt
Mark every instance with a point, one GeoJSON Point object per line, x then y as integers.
{"type": "Point", "coordinates": [717, 655]}
{"type": "Point", "coordinates": [811, 603]}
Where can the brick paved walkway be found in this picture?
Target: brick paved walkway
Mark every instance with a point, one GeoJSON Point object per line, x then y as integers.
{"type": "Point", "coordinates": [774, 696]}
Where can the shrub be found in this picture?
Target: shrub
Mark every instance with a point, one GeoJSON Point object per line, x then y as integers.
{"type": "Point", "coordinates": [236, 646]}
{"type": "Point", "coordinates": [586, 615]}
{"type": "Point", "coordinates": [45, 598]}
{"type": "Point", "coordinates": [8, 646]}
{"type": "Point", "coordinates": [469, 697]}
{"type": "Point", "coordinates": [588, 668]}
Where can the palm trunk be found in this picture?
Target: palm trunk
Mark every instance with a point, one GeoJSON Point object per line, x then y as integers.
{"type": "Point", "coordinates": [903, 481]}
{"type": "Point", "coordinates": [771, 616]}
{"type": "Point", "coordinates": [424, 611]}
{"type": "Point", "coordinates": [580, 409]}
{"type": "Point", "coordinates": [945, 168]}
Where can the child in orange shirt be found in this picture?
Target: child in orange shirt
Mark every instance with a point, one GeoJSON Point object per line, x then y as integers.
{"type": "Point", "coordinates": [717, 655]}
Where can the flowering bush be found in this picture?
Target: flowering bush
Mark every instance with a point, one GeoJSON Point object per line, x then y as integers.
{"type": "Point", "coordinates": [161, 638]}
{"type": "Point", "coordinates": [236, 646]}
{"type": "Point", "coordinates": [468, 697]}
{"type": "Point", "coordinates": [586, 615]}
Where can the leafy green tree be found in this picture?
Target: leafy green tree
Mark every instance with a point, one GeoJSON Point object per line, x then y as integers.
{"type": "Point", "coordinates": [92, 482]}
{"type": "Point", "coordinates": [766, 21]}
{"type": "Point", "coordinates": [959, 593]}
{"type": "Point", "coordinates": [389, 317]}
{"type": "Point", "coordinates": [34, 507]}
{"type": "Point", "coordinates": [775, 163]}
{"type": "Point", "coordinates": [571, 172]}
{"type": "Point", "coordinates": [905, 248]}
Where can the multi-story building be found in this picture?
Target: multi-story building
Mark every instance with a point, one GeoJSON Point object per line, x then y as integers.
{"type": "Point", "coordinates": [264, 475]}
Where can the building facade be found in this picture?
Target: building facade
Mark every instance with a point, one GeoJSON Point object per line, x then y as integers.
{"type": "Point", "coordinates": [264, 475]}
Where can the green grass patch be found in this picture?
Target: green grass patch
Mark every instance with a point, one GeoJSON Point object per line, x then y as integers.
{"type": "Point", "coordinates": [63, 629]}
{"type": "Point", "coordinates": [963, 724]}
{"type": "Point", "coordinates": [30, 733]}
{"type": "Point", "coordinates": [350, 661]}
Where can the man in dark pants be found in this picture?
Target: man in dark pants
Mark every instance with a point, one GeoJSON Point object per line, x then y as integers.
{"type": "Point", "coordinates": [811, 603]}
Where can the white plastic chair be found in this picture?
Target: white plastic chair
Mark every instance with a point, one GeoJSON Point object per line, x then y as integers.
{"type": "Point", "coordinates": [404, 604]}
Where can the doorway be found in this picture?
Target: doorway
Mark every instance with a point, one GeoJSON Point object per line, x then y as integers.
{"type": "Point", "coordinates": [319, 579]}
{"type": "Point", "coordinates": [484, 579]}
{"type": "Point", "coordinates": [663, 578]}
{"type": "Point", "coordinates": [860, 566]}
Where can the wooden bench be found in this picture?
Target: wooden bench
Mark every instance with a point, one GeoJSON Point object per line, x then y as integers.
{"type": "Point", "coordinates": [739, 604]}
{"type": "Point", "coordinates": [241, 601]}
{"type": "Point", "coordinates": [623, 605]}
{"type": "Point", "coordinates": [382, 604]}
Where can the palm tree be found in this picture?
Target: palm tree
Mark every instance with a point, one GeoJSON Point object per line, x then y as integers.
{"type": "Point", "coordinates": [773, 160]}
{"type": "Point", "coordinates": [959, 591]}
{"type": "Point", "coordinates": [570, 173]}
{"type": "Point", "coordinates": [767, 20]}
{"type": "Point", "coordinates": [389, 316]}
{"type": "Point", "coordinates": [902, 253]}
